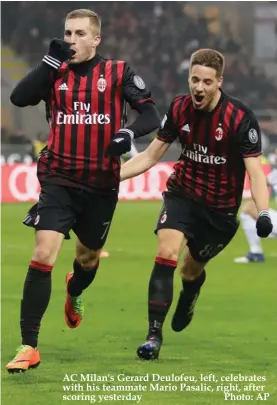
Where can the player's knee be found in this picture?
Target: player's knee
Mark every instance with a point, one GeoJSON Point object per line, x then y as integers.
{"type": "Point", "coordinates": [48, 244]}
{"type": "Point", "coordinates": [168, 252]}
{"type": "Point", "coordinates": [44, 255]}
{"type": "Point", "coordinates": [190, 268]}
{"type": "Point", "coordinates": [88, 260]}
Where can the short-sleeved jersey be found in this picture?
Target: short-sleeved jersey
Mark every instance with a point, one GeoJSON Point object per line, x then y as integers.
{"type": "Point", "coordinates": [211, 168]}
{"type": "Point", "coordinates": [86, 107]}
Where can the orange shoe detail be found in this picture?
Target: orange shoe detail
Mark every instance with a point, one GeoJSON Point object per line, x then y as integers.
{"type": "Point", "coordinates": [25, 358]}
{"type": "Point", "coordinates": [74, 307]}
{"type": "Point", "coordinates": [104, 254]}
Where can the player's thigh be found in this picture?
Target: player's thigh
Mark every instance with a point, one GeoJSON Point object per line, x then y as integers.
{"type": "Point", "coordinates": [93, 224]}
{"type": "Point", "coordinates": [211, 239]}
{"type": "Point", "coordinates": [170, 243]}
{"type": "Point", "coordinates": [56, 209]}
{"type": "Point", "coordinates": [177, 214]}
{"type": "Point", "coordinates": [55, 217]}
{"type": "Point", "coordinates": [174, 226]}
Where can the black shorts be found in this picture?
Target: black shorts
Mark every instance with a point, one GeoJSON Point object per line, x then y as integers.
{"type": "Point", "coordinates": [89, 215]}
{"type": "Point", "coordinates": [207, 231]}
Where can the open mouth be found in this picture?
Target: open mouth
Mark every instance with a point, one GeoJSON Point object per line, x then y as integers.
{"type": "Point", "coordinates": [199, 99]}
{"type": "Point", "coordinates": [72, 52]}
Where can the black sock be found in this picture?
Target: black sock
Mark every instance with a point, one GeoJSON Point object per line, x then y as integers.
{"type": "Point", "coordinates": [191, 287]}
{"type": "Point", "coordinates": [160, 294]}
{"type": "Point", "coordinates": [81, 279]}
{"type": "Point", "coordinates": [36, 296]}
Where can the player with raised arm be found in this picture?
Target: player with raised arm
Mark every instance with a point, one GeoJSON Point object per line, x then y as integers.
{"type": "Point", "coordinates": [79, 174]}
{"type": "Point", "coordinates": [220, 139]}
{"type": "Point", "coordinates": [249, 217]}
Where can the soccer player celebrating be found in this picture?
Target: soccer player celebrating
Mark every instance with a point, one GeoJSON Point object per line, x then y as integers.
{"type": "Point", "coordinates": [249, 216]}
{"type": "Point", "coordinates": [80, 173]}
{"type": "Point", "coordinates": [220, 138]}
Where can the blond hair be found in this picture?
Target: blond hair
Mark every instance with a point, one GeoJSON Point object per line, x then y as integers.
{"type": "Point", "coordinates": [210, 58]}
{"type": "Point", "coordinates": [94, 18]}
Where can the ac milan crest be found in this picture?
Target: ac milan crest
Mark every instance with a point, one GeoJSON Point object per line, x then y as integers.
{"type": "Point", "coordinates": [163, 218]}
{"type": "Point", "coordinates": [101, 84]}
{"type": "Point", "coordinates": [219, 133]}
{"type": "Point", "coordinates": [37, 220]}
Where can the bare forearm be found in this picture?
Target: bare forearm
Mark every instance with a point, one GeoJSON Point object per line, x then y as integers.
{"type": "Point", "coordinates": [259, 191]}
{"type": "Point", "coordinates": [144, 160]}
{"type": "Point", "coordinates": [135, 166]}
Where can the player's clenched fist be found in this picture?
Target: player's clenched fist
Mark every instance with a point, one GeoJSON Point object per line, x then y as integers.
{"type": "Point", "coordinates": [121, 143]}
{"type": "Point", "coordinates": [264, 225]}
{"type": "Point", "coordinates": [59, 51]}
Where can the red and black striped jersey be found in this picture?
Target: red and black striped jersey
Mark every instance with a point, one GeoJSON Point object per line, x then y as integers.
{"type": "Point", "coordinates": [211, 168]}
{"type": "Point", "coordinates": [85, 109]}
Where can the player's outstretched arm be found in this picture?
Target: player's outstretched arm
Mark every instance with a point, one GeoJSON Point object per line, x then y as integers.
{"type": "Point", "coordinates": [260, 194]}
{"type": "Point", "coordinates": [35, 86]}
{"type": "Point", "coordinates": [144, 160]}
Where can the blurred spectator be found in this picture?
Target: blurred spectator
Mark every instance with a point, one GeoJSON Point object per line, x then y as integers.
{"type": "Point", "coordinates": [155, 37]}
{"type": "Point", "coordinates": [5, 136]}
{"type": "Point", "coordinates": [18, 138]}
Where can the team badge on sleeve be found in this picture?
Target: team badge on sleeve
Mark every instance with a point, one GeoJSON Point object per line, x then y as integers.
{"type": "Point", "coordinates": [253, 135]}
{"type": "Point", "coordinates": [139, 83]}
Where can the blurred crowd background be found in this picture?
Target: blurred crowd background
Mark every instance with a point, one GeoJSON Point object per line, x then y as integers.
{"type": "Point", "coordinates": [157, 39]}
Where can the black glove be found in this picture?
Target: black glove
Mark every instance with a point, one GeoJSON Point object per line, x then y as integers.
{"type": "Point", "coordinates": [59, 51]}
{"type": "Point", "coordinates": [264, 225]}
{"type": "Point", "coordinates": [120, 143]}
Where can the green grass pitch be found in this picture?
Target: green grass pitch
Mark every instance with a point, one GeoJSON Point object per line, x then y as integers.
{"type": "Point", "coordinates": [234, 330]}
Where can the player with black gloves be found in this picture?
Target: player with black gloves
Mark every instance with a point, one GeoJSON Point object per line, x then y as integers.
{"type": "Point", "coordinates": [220, 141]}
{"type": "Point", "coordinates": [121, 142]}
{"type": "Point", "coordinates": [85, 96]}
